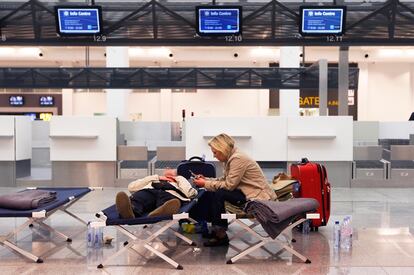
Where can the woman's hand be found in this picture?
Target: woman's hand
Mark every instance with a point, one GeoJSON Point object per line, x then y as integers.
{"type": "Point", "coordinates": [199, 181]}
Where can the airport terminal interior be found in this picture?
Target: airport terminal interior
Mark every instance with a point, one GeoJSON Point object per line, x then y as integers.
{"type": "Point", "coordinates": [97, 94]}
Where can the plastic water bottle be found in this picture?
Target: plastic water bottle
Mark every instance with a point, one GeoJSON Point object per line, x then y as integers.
{"type": "Point", "coordinates": [337, 235]}
{"type": "Point", "coordinates": [351, 231]}
{"type": "Point", "coordinates": [97, 233]}
{"type": "Point", "coordinates": [94, 236]}
{"type": "Point", "coordinates": [346, 234]}
{"type": "Point", "coordinates": [306, 227]}
{"type": "Point", "coordinates": [98, 237]}
{"type": "Point", "coordinates": [89, 235]}
{"type": "Point", "coordinates": [296, 187]}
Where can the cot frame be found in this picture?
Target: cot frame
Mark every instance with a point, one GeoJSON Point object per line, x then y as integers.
{"type": "Point", "coordinates": [39, 217]}
{"type": "Point", "coordinates": [284, 239]}
{"type": "Point", "coordinates": [146, 243]}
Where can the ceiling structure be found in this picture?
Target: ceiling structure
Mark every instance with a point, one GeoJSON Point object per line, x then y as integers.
{"type": "Point", "coordinates": [205, 78]}
{"type": "Point", "coordinates": [162, 34]}
{"type": "Point", "coordinates": [172, 23]}
{"type": "Point", "coordinates": [46, 56]}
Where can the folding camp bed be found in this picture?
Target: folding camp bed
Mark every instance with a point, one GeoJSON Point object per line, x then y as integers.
{"type": "Point", "coordinates": [283, 239]}
{"type": "Point", "coordinates": [66, 197]}
{"type": "Point", "coordinates": [112, 218]}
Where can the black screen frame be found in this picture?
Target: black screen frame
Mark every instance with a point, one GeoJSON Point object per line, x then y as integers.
{"type": "Point", "coordinates": [63, 34]}
{"type": "Point", "coordinates": [43, 105]}
{"type": "Point", "coordinates": [197, 8]}
{"type": "Point", "coordinates": [326, 8]}
{"type": "Point", "coordinates": [16, 105]}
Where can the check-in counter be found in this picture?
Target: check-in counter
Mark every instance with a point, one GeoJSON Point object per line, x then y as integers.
{"type": "Point", "coordinates": [369, 163]}
{"type": "Point", "coordinates": [366, 133]}
{"type": "Point", "coordinates": [83, 151]}
{"type": "Point", "coordinates": [402, 162]}
{"type": "Point", "coordinates": [151, 133]}
{"type": "Point", "coordinates": [132, 162]}
{"type": "Point", "coordinates": [167, 157]}
{"type": "Point", "coordinates": [40, 144]}
{"type": "Point", "coordinates": [395, 129]}
{"type": "Point", "coordinates": [328, 140]}
{"type": "Point", "coordinates": [262, 138]}
{"type": "Point", "coordinates": [15, 148]}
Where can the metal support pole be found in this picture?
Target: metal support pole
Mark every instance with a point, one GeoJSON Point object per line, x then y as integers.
{"type": "Point", "coordinates": [323, 87]}
{"type": "Point", "coordinates": [343, 81]}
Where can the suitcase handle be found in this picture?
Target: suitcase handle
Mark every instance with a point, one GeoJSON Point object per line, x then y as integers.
{"type": "Point", "coordinates": [196, 158]}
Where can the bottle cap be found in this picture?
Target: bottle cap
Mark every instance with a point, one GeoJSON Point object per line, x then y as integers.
{"type": "Point", "coordinates": [97, 224]}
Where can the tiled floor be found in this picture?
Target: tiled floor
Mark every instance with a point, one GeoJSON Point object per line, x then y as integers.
{"type": "Point", "coordinates": [383, 220]}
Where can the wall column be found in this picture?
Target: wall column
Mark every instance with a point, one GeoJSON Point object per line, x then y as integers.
{"type": "Point", "coordinates": [323, 87]}
{"type": "Point", "coordinates": [289, 99]}
{"type": "Point", "coordinates": [117, 99]}
{"type": "Point", "coordinates": [67, 102]}
{"type": "Point", "coordinates": [343, 81]}
{"type": "Point", "coordinates": [165, 105]}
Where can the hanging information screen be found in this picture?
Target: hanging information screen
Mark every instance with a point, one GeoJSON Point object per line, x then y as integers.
{"type": "Point", "coordinates": [218, 20]}
{"type": "Point", "coordinates": [46, 101]}
{"type": "Point", "coordinates": [78, 20]}
{"type": "Point", "coordinates": [322, 20]}
{"type": "Point", "coordinates": [16, 100]}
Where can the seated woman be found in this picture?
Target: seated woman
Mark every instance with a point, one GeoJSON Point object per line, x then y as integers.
{"type": "Point", "coordinates": [243, 180]}
{"type": "Point", "coordinates": [156, 195]}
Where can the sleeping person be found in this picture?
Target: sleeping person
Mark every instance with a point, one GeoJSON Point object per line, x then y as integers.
{"type": "Point", "coordinates": [155, 195]}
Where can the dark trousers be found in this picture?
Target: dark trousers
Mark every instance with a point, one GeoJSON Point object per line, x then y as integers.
{"type": "Point", "coordinates": [146, 200]}
{"type": "Point", "coordinates": [211, 205]}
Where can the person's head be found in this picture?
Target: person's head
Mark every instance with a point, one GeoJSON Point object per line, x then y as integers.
{"type": "Point", "coordinates": [169, 172]}
{"type": "Point", "coordinates": [221, 146]}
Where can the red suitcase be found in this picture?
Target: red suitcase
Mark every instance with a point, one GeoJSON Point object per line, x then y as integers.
{"type": "Point", "coordinates": [314, 184]}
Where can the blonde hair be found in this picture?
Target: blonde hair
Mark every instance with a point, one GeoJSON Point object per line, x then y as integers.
{"type": "Point", "coordinates": [222, 143]}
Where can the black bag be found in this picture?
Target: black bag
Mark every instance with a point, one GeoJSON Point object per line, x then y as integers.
{"type": "Point", "coordinates": [166, 185]}
{"type": "Point", "coordinates": [198, 166]}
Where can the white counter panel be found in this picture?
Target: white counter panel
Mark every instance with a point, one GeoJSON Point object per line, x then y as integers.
{"type": "Point", "coordinates": [7, 138]}
{"type": "Point", "coordinates": [396, 129]}
{"type": "Point", "coordinates": [23, 137]}
{"type": "Point", "coordinates": [366, 133]}
{"type": "Point", "coordinates": [324, 138]}
{"type": "Point", "coordinates": [145, 130]}
{"type": "Point", "coordinates": [40, 134]}
{"type": "Point", "coordinates": [262, 138]}
{"type": "Point", "coordinates": [82, 139]}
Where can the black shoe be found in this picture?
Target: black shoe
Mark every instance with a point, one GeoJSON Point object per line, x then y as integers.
{"type": "Point", "coordinates": [217, 242]}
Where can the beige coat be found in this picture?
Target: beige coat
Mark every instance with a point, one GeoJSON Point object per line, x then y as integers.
{"type": "Point", "coordinates": [242, 172]}
{"type": "Point", "coordinates": [182, 184]}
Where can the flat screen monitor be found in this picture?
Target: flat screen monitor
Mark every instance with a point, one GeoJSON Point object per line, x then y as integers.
{"type": "Point", "coordinates": [46, 101]}
{"type": "Point", "coordinates": [76, 20]}
{"type": "Point", "coordinates": [16, 100]}
{"type": "Point", "coordinates": [219, 20]}
{"type": "Point", "coordinates": [45, 116]}
{"type": "Point", "coordinates": [317, 20]}
{"type": "Point", "coordinates": [31, 115]}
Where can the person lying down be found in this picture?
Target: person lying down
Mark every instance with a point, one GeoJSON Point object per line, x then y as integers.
{"type": "Point", "coordinates": [155, 195]}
